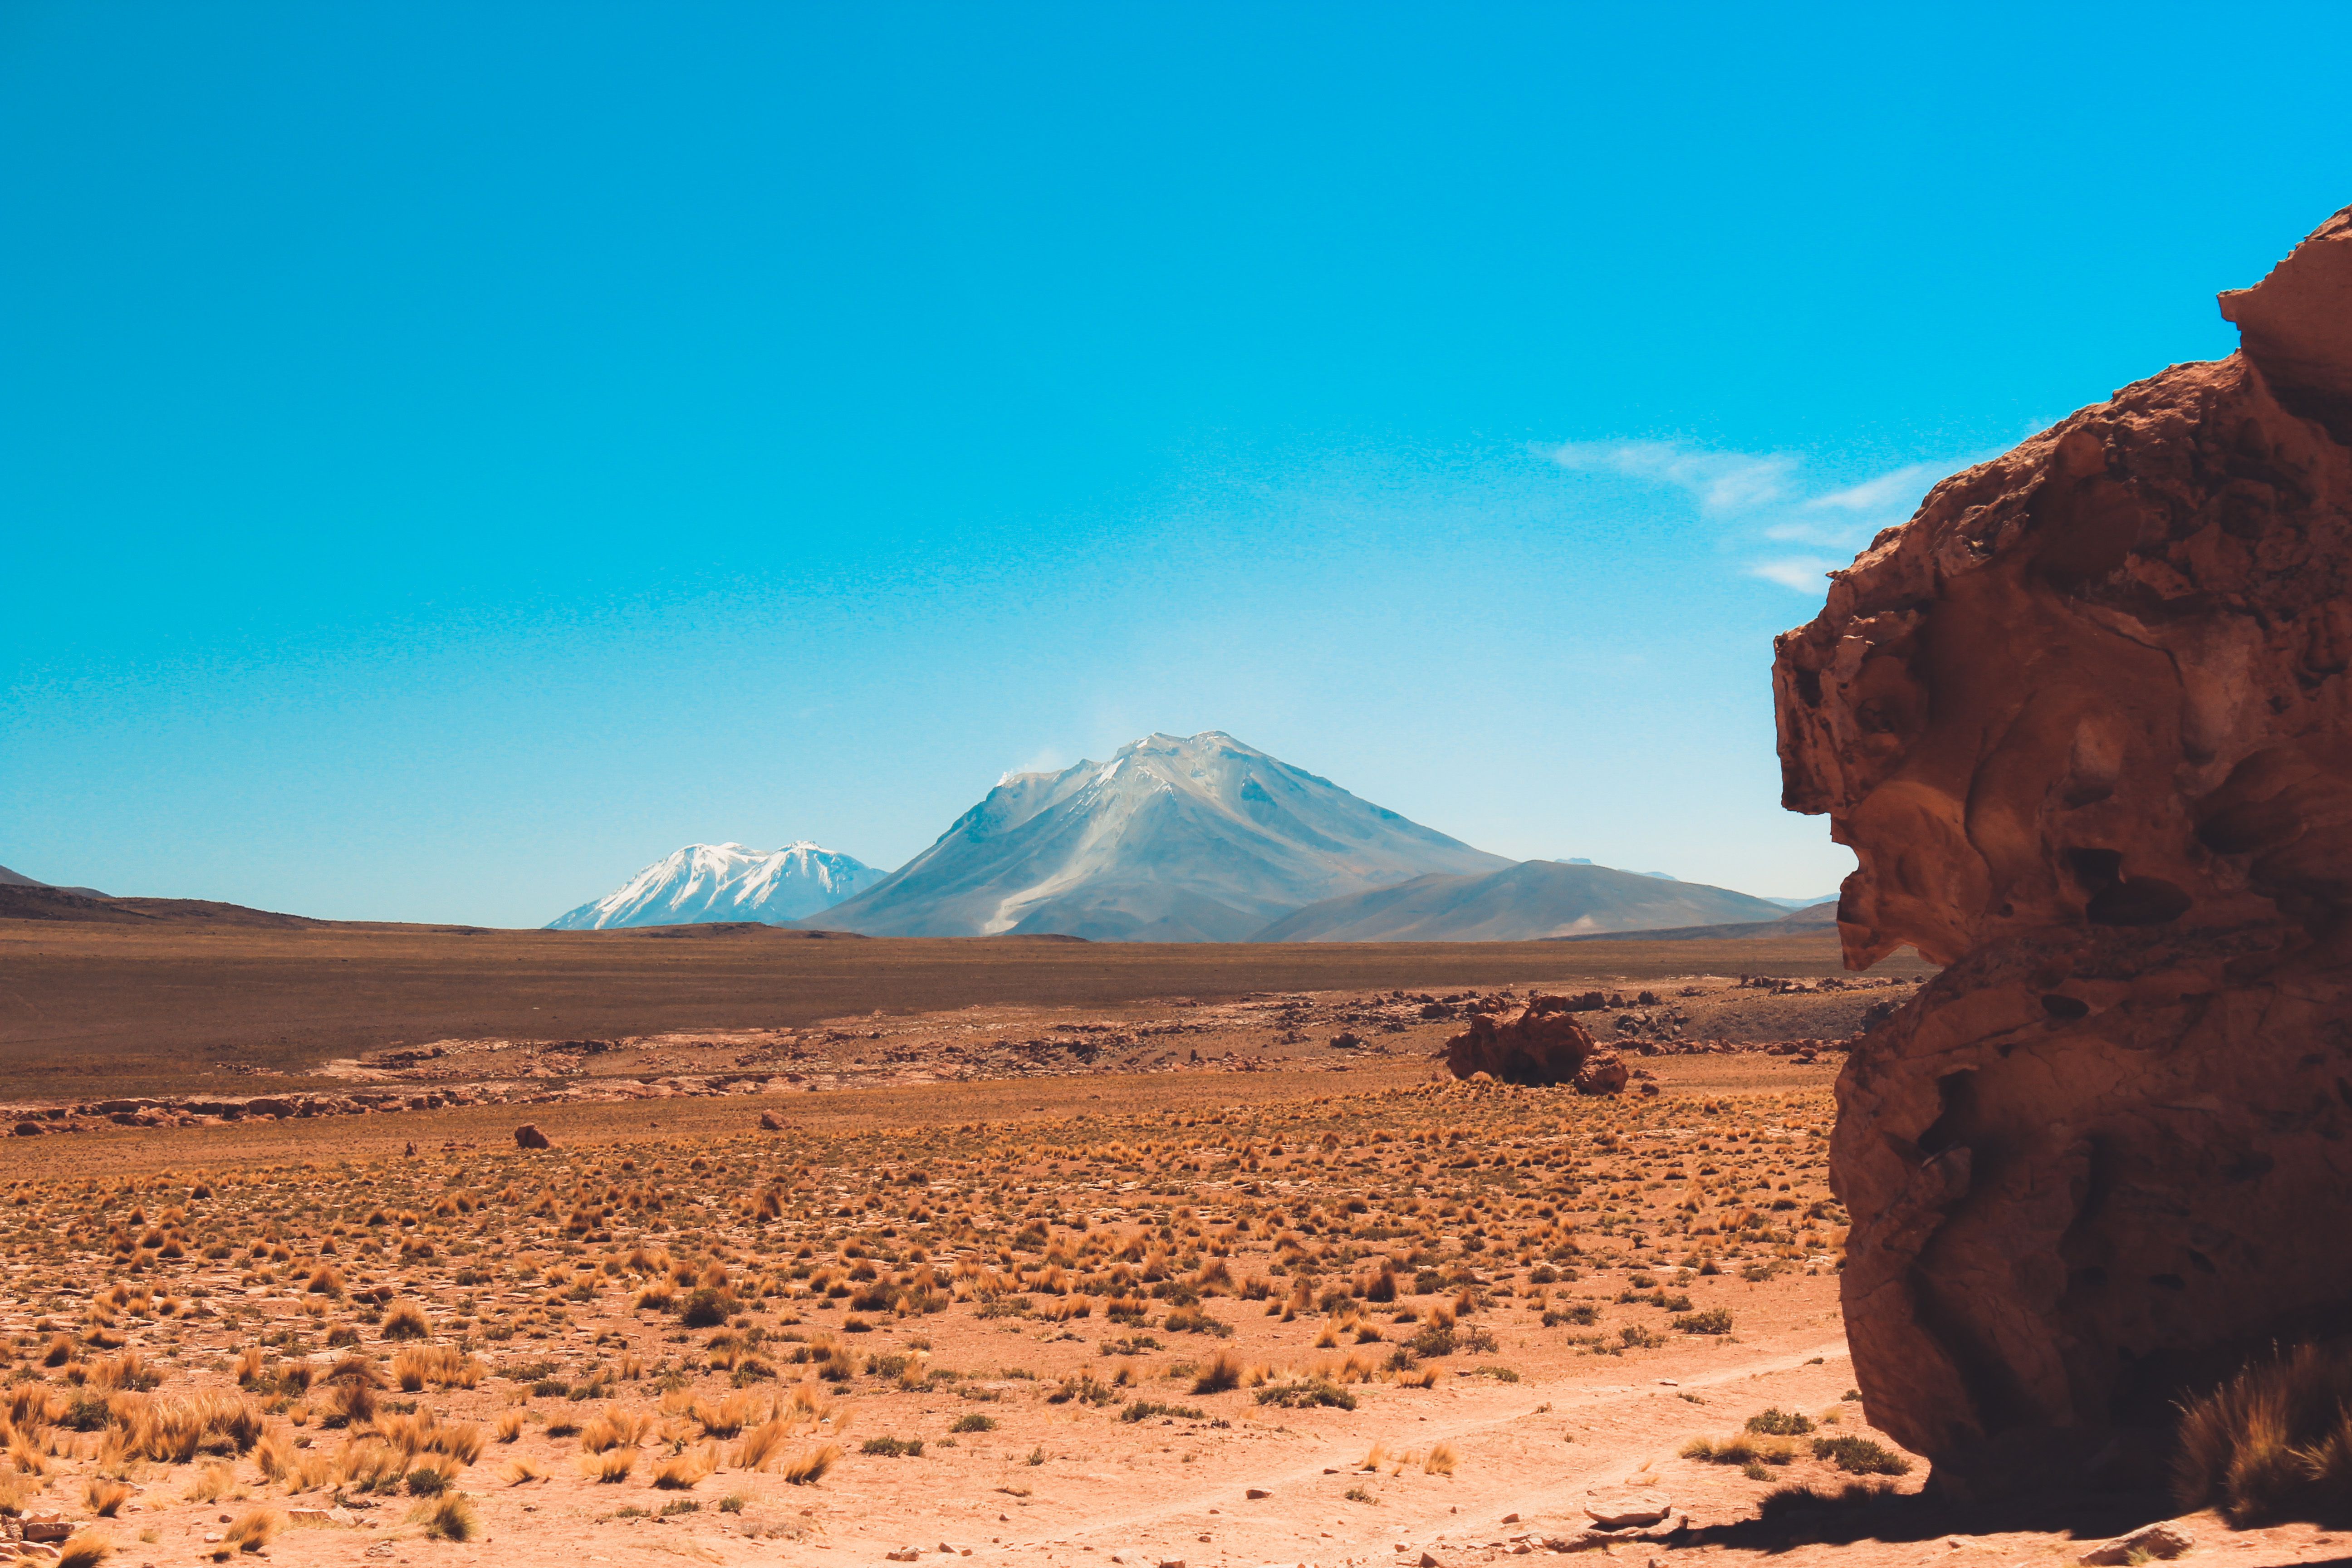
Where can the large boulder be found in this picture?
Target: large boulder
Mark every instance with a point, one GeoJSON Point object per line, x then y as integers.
{"type": "Point", "coordinates": [1542, 1044]}
{"type": "Point", "coordinates": [2085, 723]}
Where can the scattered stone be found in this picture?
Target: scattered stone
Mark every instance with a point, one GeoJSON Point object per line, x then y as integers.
{"type": "Point", "coordinates": [1256, 1492]}
{"type": "Point", "coordinates": [1620, 1513]}
{"type": "Point", "coordinates": [771, 1123]}
{"type": "Point", "coordinates": [2156, 1542]}
{"type": "Point", "coordinates": [530, 1137]}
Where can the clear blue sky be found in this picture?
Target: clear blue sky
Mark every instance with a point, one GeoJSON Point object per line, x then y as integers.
{"type": "Point", "coordinates": [452, 454]}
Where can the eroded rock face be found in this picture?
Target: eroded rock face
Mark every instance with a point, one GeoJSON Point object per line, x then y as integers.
{"type": "Point", "coordinates": [1541, 1044]}
{"type": "Point", "coordinates": [2085, 723]}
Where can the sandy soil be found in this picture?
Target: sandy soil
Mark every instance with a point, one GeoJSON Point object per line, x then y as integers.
{"type": "Point", "coordinates": [1027, 1277]}
{"type": "Point", "coordinates": [93, 1011]}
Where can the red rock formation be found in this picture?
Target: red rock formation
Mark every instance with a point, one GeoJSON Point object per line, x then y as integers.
{"type": "Point", "coordinates": [1543, 1045]}
{"type": "Point", "coordinates": [2085, 723]}
{"type": "Point", "coordinates": [1604, 1072]}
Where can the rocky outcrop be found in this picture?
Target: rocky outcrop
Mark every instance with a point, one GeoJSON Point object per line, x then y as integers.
{"type": "Point", "coordinates": [1604, 1072]}
{"type": "Point", "coordinates": [2087, 724]}
{"type": "Point", "coordinates": [1542, 1044]}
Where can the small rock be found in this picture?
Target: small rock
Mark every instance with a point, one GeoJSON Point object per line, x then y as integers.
{"type": "Point", "coordinates": [1510, 1518]}
{"type": "Point", "coordinates": [1255, 1493]}
{"type": "Point", "coordinates": [1623, 1513]}
{"type": "Point", "coordinates": [2158, 1542]}
{"type": "Point", "coordinates": [771, 1123]}
{"type": "Point", "coordinates": [1428, 1562]}
{"type": "Point", "coordinates": [530, 1137]}
{"type": "Point", "coordinates": [907, 1555]}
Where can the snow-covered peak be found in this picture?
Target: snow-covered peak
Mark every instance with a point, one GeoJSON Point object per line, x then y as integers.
{"type": "Point", "coordinates": [703, 882]}
{"type": "Point", "coordinates": [1175, 838]}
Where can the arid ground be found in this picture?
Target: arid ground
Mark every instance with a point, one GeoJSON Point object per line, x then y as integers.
{"type": "Point", "coordinates": [1072, 1255]}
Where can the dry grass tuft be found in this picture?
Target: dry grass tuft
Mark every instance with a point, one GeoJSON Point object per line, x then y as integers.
{"type": "Point", "coordinates": [211, 1483]}
{"type": "Point", "coordinates": [762, 1444]}
{"type": "Point", "coordinates": [105, 1497]}
{"type": "Point", "coordinates": [2274, 1442]}
{"type": "Point", "coordinates": [440, 1365]}
{"type": "Point", "coordinates": [253, 1529]}
{"type": "Point", "coordinates": [85, 1549]}
{"type": "Point", "coordinates": [810, 1464]}
{"type": "Point", "coordinates": [406, 1321]}
{"type": "Point", "coordinates": [448, 1518]}
{"type": "Point", "coordinates": [1441, 1460]}
{"type": "Point", "coordinates": [615, 1428]}
{"type": "Point", "coordinates": [682, 1470]}
{"type": "Point", "coordinates": [1222, 1375]}
{"type": "Point", "coordinates": [609, 1467]}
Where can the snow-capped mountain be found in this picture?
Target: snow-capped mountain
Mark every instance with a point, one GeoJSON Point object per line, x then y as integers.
{"type": "Point", "coordinates": [705, 882]}
{"type": "Point", "coordinates": [1202, 839]}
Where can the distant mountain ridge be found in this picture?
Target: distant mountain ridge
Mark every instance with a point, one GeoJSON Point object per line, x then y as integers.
{"type": "Point", "coordinates": [1814, 919]}
{"type": "Point", "coordinates": [704, 883]}
{"type": "Point", "coordinates": [1198, 839]}
{"type": "Point", "coordinates": [18, 879]}
{"type": "Point", "coordinates": [1524, 902]}
{"type": "Point", "coordinates": [1175, 838]}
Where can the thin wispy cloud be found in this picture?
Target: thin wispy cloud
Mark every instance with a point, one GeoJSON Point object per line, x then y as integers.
{"type": "Point", "coordinates": [1768, 499]}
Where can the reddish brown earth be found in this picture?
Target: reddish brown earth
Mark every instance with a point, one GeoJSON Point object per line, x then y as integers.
{"type": "Point", "coordinates": [1029, 1278]}
{"type": "Point", "coordinates": [2083, 720]}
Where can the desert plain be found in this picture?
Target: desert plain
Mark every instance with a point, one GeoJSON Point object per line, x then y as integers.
{"type": "Point", "coordinates": [852, 1251]}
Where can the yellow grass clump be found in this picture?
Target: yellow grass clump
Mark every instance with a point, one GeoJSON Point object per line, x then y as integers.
{"type": "Point", "coordinates": [809, 1466]}
{"type": "Point", "coordinates": [252, 1531]}
{"type": "Point", "coordinates": [609, 1466]}
{"type": "Point", "coordinates": [683, 1469]}
{"type": "Point", "coordinates": [85, 1549]}
{"type": "Point", "coordinates": [2274, 1441]}
{"type": "Point", "coordinates": [440, 1365]}
{"type": "Point", "coordinates": [448, 1518]}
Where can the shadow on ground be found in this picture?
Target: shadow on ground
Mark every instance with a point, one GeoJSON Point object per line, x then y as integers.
{"type": "Point", "coordinates": [1796, 1516]}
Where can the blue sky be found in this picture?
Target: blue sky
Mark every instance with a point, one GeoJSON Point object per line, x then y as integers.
{"type": "Point", "coordinates": [452, 454]}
